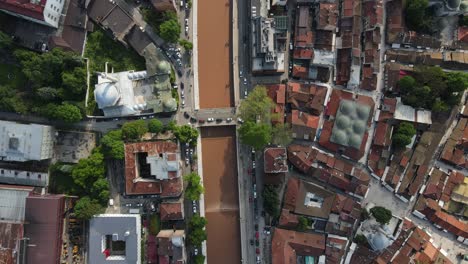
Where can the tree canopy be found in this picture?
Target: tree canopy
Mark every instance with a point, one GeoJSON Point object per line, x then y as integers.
{"type": "Point", "coordinates": [303, 223]}
{"type": "Point", "coordinates": [257, 105]}
{"type": "Point", "coordinates": [271, 200]}
{"type": "Point", "coordinates": [381, 214]}
{"type": "Point", "coordinates": [432, 88]}
{"type": "Point", "coordinates": [134, 130]}
{"type": "Point", "coordinates": [86, 207]}
{"type": "Point", "coordinates": [256, 135]}
{"type": "Point", "coordinates": [281, 134]}
{"type": "Point", "coordinates": [186, 44]}
{"type": "Point", "coordinates": [113, 145]}
{"type": "Point", "coordinates": [199, 259]}
{"type": "Point", "coordinates": [197, 232]}
{"type": "Point", "coordinates": [186, 134]}
{"type": "Point", "coordinates": [155, 126]}
{"type": "Point", "coordinates": [194, 187]}
{"type": "Point", "coordinates": [169, 30]}
{"type": "Point", "coordinates": [5, 41]}
{"type": "Point", "coordinates": [418, 16]}
{"type": "Point", "coordinates": [404, 134]}
{"type": "Point", "coordinates": [66, 112]}
{"type": "Point", "coordinates": [89, 170]}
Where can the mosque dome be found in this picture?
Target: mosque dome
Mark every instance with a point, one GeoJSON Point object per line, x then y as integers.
{"type": "Point", "coordinates": [164, 67]}
{"type": "Point", "coordinates": [106, 94]}
{"type": "Point", "coordinates": [170, 104]}
{"type": "Point", "coordinates": [379, 241]}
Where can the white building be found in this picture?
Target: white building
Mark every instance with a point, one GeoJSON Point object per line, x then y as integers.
{"type": "Point", "coordinates": [46, 12]}
{"type": "Point", "coordinates": [134, 93]}
{"type": "Point", "coordinates": [24, 142]}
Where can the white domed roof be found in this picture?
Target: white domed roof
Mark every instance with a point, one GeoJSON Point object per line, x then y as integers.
{"type": "Point", "coordinates": [379, 241]}
{"type": "Point", "coordinates": [106, 94]}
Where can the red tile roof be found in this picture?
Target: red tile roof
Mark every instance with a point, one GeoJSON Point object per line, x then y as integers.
{"type": "Point", "coordinates": [327, 16]}
{"type": "Point", "coordinates": [308, 96]}
{"type": "Point", "coordinates": [288, 220]}
{"type": "Point", "coordinates": [299, 118]}
{"type": "Point", "coordinates": [171, 187]}
{"type": "Point", "coordinates": [171, 211]}
{"type": "Point", "coordinates": [286, 245]}
{"type": "Point", "coordinates": [25, 8]}
{"type": "Point", "coordinates": [277, 93]}
{"type": "Point", "coordinates": [290, 196]}
{"type": "Point", "coordinates": [303, 54]}
{"type": "Point", "coordinates": [343, 66]}
{"type": "Point", "coordinates": [301, 156]}
{"type": "Point", "coordinates": [463, 34]}
{"type": "Point", "coordinates": [301, 72]}
{"type": "Point", "coordinates": [275, 160]}
{"type": "Point", "coordinates": [304, 34]}
{"type": "Point", "coordinates": [381, 138]}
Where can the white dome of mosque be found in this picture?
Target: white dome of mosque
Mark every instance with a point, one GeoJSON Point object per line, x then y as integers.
{"type": "Point", "coordinates": [379, 241]}
{"type": "Point", "coordinates": [164, 67]}
{"type": "Point", "coordinates": [106, 94]}
{"type": "Point", "coordinates": [170, 104]}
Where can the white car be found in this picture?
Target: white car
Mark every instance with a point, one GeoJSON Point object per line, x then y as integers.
{"type": "Point", "coordinates": [195, 251]}
{"type": "Point", "coordinates": [182, 93]}
{"type": "Point", "coordinates": [186, 29]}
{"type": "Point", "coordinates": [228, 119]}
{"type": "Point", "coordinates": [187, 161]}
{"type": "Point", "coordinates": [210, 119]}
{"type": "Point", "coordinates": [181, 3]}
{"type": "Point", "coordinates": [111, 202]}
{"type": "Point", "coordinates": [245, 92]}
{"type": "Point", "coordinates": [183, 103]}
{"type": "Point", "coordinates": [240, 120]}
{"type": "Point", "coordinates": [186, 22]}
{"type": "Point", "coordinates": [255, 195]}
{"type": "Point", "coordinates": [240, 73]}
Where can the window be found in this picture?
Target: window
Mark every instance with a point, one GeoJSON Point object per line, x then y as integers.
{"type": "Point", "coordinates": [38, 176]}
{"type": "Point", "coordinates": [16, 173]}
{"type": "Point", "coordinates": [2, 171]}
{"type": "Point", "coordinates": [27, 174]}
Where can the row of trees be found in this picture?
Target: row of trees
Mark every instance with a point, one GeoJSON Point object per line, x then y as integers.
{"type": "Point", "coordinates": [257, 131]}
{"type": "Point", "coordinates": [196, 230]}
{"type": "Point", "coordinates": [271, 200]}
{"type": "Point", "coordinates": [432, 88]}
{"type": "Point", "coordinates": [193, 188]}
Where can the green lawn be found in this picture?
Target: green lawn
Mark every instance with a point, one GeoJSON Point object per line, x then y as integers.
{"type": "Point", "coordinates": [11, 75]}
{"type": "Point", "coordinates": [155, 224]}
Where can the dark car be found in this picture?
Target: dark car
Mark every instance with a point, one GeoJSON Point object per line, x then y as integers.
{"type": "Point", "coordinates": [256, 227]}
{"type": "Point", "coordinates": [257, 250]}
{"type": "Point", "coordinates": [219, 120]}
{"type": "Point", "coordinates": [179, 72]}
{"type": "Point", "coordinates": [193, 119]}
{"type": "Point", "coordinates": [251, 242]}
{"type": "Point", "coordinates": [181, 85]}
{"type": "Point", "coordinates": [201, 121]}
{"type": "Point", "coordinates": [186, 115]}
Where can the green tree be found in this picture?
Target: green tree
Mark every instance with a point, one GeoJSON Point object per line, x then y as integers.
{"type": "Point", "coordinates": [155, 126]}
{"type": "Point", "coordinates": [194, 187]}
{"type": "Point", "coordinates": [439, 106]}
{"type": "Point", "coordinates": [271, 200]}
{"type": "Point", "coordinates": [417, 16]}
{"type": "Point", "coordinates": [169, 30]}
{"type": "Point", "coordinates": [186, 44]}
{"type": "Point", "coordinates": [257, 105]}
{"type": "Point", "coordinates": [404, 134]}
{"type": "Point", "coordinates": [89, 170]}
{"type": "Point", "coordinates": [186, 133]}
{"type": "Point", "coordinates": [281, 134]}
{"type": "Point", "coordinates": [5, 41]}
{"type": "Point", "coordinates": [406, 84]}
{"type": "Point", "coordinates": [381, 214]}
{"type": "Point", "coordinates": [199, 259]}
{"type": "Point", "coordinates": [100, 190]}
{"type": "Point", "coordinates": [65, 112]}
{"type": "Point", "coordinates": [47, 93]}
{"type": "Point", "coordinates": [75, 80]}
{"type": "Point", "coordinates": [113, 145]}
{"type": "Point", "coordinates": [197, 232]}
{"type": "Point", "coordinates": [360, 239]}
{"type": "Point", "coordinates": [85, 208]}
{"type": "Point", "coordinates": [303, 223]}
{"type": "Point", "coordinates": [10, 101]}
{"type": "Point", "coordinates": [134, 130]}
{"type": "Point", "coordinates": [255, 135]}
{"type": "Point", "coordinates": [171, 126]}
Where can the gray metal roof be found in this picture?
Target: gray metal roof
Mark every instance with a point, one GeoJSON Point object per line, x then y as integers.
{"type": "Point", "coordinates": [121, 227]}
{"type": "Point", "coordinates": [13, 204]}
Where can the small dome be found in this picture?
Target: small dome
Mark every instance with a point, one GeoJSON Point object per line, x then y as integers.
{"type": "Point", "coordinates": [362, 111]}
{"type": "Point", "coordinates": [355, 141]}
{"type": "Point", "coordinates": [347, 107]}
{"type": "Point", "coordinates": [359, 127]}
{"type": "Point", "coordinates": [453, 4]}
{"type": "Point", "coordinates": [106, 94]}
{"type": "Point", "coordinates": [164, 67]}
{"type": "Point", "coordinates": [170, 104]}
{"type": "Point", "coordinates": [339, 137]}
{"type": "Point", "coordinates": [343, 122]}
{"type": "Point", "coordinates": [379, 241]}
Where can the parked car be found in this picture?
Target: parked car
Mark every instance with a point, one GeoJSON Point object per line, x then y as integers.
{"type": "Point", "coordinates": [210, 119]}
{"type": "Point", "coordinates": [186, 115]}
{"type": "Point", "coordinates": [187, 161]}
{"type": "Point", "coordinates": [219, 120]}
{"type": "Point", "coordinates": [251, 242]}
{"type": "Point", "coordinates": [111, 202]}
{"type": "Point", "coordinates": [257, 235]}
{"type": "Point", "coordinates": [240, 121]}
{"type": "Point", "coordinates": [195, 251]}
{"type": "Point", "coordinates": [228, 119]}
